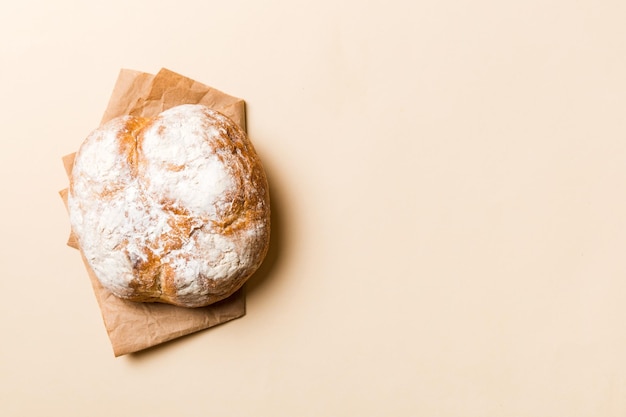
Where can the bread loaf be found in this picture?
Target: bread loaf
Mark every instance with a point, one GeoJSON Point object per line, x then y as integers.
{"type": "Point", "coordinates": [171, 209]}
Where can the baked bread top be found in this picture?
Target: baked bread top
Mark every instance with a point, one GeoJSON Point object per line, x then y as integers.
{"type": "Point", "coordinates": [171, 209]}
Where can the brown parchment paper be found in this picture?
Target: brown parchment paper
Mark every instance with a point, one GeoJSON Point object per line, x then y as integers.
{"type": "Point", "coordinates": [135, 326]}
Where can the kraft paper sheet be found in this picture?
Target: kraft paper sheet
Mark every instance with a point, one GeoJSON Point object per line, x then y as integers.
{"type": "Point", "coordinates": [135, 326]}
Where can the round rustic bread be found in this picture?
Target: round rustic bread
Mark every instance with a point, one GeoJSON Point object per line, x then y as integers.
{"type": "Point", "coordinates": [171, 209]}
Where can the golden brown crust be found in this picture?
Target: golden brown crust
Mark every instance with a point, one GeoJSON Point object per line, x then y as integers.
{"type": "Point", "coordinates": [239, 218]}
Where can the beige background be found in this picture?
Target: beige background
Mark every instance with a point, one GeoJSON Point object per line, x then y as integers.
{"type": "Point", "coordinates": [448, 186]}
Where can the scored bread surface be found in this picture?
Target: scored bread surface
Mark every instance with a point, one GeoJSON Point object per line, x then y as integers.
{"type": "Point", "coordinates": [172, 209]}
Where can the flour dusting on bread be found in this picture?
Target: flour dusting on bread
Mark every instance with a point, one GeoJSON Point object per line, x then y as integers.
{"type": "Point", "coordinates": [172, 209]}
